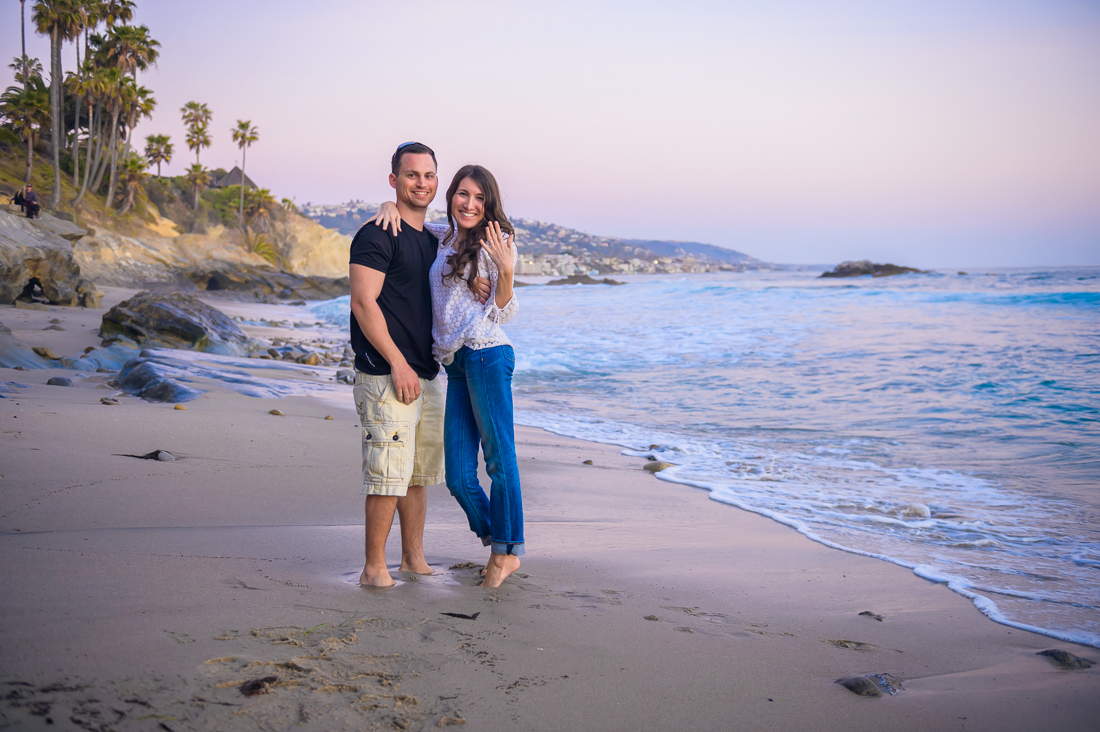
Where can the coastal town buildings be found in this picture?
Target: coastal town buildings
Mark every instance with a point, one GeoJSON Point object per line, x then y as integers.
{"type": "Point", "coordinates": [547, 249]}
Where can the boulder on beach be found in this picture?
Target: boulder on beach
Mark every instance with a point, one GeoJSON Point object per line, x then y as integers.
{"type": "Point", "coordinates": [260, 283]}
{"type": "Point", "coordinates": [36, 259]}
{"type": "Point", "coordinates": [142, 377]}
{"type": "Point", "coordinates": [14, 352]}
{"type": "Point", "coordinates": [584, 279]}
{"type": "Point", "coordinates": [175, 320]}
{"type": "Point", "coordinates": [867, 267]}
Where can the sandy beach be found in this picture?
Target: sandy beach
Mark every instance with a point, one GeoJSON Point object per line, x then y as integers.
{"type": "Point", "coordinates": [218, 590]}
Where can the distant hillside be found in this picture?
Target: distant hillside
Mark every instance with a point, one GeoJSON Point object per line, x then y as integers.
{"type": "Point", "coordinates": [691, 248]}
{"type": "Point", "coordinates": [541, 238]}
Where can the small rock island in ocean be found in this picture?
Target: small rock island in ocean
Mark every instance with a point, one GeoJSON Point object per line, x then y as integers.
{"type": "Point", "coordinates": [866, 267]}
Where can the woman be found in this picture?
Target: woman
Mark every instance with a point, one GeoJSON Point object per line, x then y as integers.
{"type": "Point", "coordinates": [479, 360]}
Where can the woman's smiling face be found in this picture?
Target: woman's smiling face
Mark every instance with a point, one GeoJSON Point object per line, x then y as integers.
{"type": "Point", "coordinates": [468, 205]}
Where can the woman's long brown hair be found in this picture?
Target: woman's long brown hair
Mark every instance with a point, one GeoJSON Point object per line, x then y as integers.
{"type": "Point", "coordinates": [467, 247]}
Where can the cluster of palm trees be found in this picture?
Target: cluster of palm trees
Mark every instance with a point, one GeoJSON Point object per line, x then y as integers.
{"type": "Point", "coordinates": [196, 116]}
{"type": "Point", "coordinates": [90, 112]}
{"type": "Point", "coordinates": [107, 100]}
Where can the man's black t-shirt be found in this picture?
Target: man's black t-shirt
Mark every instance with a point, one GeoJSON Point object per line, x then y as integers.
{"type": "Point", "coordinates": [405, 300]}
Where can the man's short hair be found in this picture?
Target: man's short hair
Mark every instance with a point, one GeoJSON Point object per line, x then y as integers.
{"type": "Point", "coordinates": [410, 148]}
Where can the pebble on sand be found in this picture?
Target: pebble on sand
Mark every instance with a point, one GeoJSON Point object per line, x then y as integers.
{"type": "Point", "coordinates": [162, 455]}
{"type": "Point", "coordinates": [46, 353]}
{"type": "Point", "coordinates": [588, 462]}
{"type": "Point", "coordinates": [180, 407]}
{"type": "Point", "coordinates": [59, 381]}
{"type": "Point", "coordinates": [1065, 659]}
{"type": "Point", "coordinates": [870, 614]}
{"type": "Point", "coordinates": [654, 618]}
{"type": "Point", "coordinates": [277, 413]}
{"type": "Point", "coordinates": [329, 417]}
{"type": "Point", "coordinates": [110, 402]}
{"type": "Point", "coordinates": [656, 466]}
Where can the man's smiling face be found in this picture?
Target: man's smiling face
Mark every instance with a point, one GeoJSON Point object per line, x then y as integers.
{"type": "Point", "coordinates": [415, 181]}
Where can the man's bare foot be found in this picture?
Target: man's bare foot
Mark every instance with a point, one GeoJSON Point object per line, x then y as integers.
{"type": "Point", "coordinates": [376, 577]}
{"type": "Point", "coordinates": [416, 566]}
{"type": "Point", "coordinates": [498, 568]}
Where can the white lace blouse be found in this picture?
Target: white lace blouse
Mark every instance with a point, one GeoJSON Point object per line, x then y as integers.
{"type": "Point", "coordinates": [458, 318]}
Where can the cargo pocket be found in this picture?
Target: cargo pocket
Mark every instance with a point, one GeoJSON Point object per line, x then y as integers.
{"type": "Point", "coordinates": [385, 452]}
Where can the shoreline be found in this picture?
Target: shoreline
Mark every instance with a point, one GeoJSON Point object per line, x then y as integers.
{"type": "Point", "coordinates": [174, 583]}
{"type": "Point", "coordinates": [956, 584]}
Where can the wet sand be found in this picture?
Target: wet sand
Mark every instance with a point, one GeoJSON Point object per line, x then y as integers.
{"type": "Point", "coordinates": [141, 594]}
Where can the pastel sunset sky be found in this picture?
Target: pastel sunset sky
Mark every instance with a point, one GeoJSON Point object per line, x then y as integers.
{"type": "Point", "coordinates": [932, 133]}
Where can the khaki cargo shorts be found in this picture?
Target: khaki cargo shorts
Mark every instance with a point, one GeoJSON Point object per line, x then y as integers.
{"type": "Point", "coordinates": [402, 443]}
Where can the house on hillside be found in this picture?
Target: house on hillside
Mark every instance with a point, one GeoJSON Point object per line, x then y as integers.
{"type": "Point", "coordinates": [233, 178]}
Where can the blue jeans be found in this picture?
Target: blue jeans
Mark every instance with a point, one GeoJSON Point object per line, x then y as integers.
{"type": "Point", "coordinates": [479, 412]}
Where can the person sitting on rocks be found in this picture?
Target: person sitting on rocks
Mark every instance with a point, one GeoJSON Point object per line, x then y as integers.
{"type": "Point", "coordinates": [30, 202]}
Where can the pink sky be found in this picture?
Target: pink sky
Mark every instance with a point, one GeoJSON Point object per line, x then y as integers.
{"type": "Point", "coordinates": [915, 132]}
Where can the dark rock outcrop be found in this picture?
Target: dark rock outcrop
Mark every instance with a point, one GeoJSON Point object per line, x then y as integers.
{"type": "Point", "coordinates": [861, 686]}
{"type": "Point", "coordinates": [258, 283]}
{"type": "Point", "coordinates": [175, 320]}
{"type": "Point", "coordinates": [36, 259]}
{"type": "Point", "coordinates": [867, 267]}
{"type": "Point", "coordinates": [584, 280]}
{"type": "Point", "coordinates": [145, 378]}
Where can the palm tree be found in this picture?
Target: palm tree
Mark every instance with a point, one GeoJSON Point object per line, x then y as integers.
{"type": "Point", "coordinates": [28, 112]}
{"type": "Point", "coordinates": [197, 178]}
{"type": "Point", "coordinates": [120, 93]}
{"type": "Point", "coordinates": [95, 83]}
{"type": "Point", "coordinates": [197, 118]}
{"type": "Point", "coordinates": [61, 20]}
{"type": "Point", "coordinates": [26, 70]}
{"type": "Point", "coordinates": [196, 115]}
{"type": "Point", "coordinates": [132, 176]}
{"type": "Point", "coordinates": [92, 11]}
{"type": "Point", "coordinates": [131, 48]}
{"type": "Point", "coordinates": [158, 149]}
{"type": "Point", "coordinates": [23, 40]}
{"type": "Point", "coordinates": [244, 134]}
{"type": "Point", "coordinates": [141, 106]}
{"type": "Point", "coordinates": [84, 86]}
{"type": "Point", "coordinates": [197, 139]}
{"type": "Point", "coordinates": [259, 204]}
{"type": "Point", "coordinates": [116, 11]}
{"type": "Point", "coordinates": [258, 243]}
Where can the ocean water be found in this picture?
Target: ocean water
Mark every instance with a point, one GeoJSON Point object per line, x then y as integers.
{"type": "Point", "coordinates": [947, 423]}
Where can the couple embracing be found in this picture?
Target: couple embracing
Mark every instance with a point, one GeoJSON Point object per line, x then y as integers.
{"type": "Point", "coordinates": [424, 295]}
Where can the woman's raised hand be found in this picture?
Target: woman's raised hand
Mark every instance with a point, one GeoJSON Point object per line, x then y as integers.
{"type": "Point", "coordinates": [387, 216]}
{"type": "Point", "coordinates": [500, 248]}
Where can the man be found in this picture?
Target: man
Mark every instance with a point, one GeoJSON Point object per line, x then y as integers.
{"type": "Point", "coordinates": [30, 202]}
{"type": "Point", "coordinates": [398, 397]}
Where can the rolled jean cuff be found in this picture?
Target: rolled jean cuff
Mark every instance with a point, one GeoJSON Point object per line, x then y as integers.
{"type": "Point", "coordinates": [485, 540]}
{"type": "Point", "coordinates": [504, 547]}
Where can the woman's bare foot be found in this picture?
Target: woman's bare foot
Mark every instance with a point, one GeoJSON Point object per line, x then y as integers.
{"type": "Point", "coordinates": [373, 576]}
{"type": "Point", "coordinates": [498, 568]}
{"type": "Point", "coordinates": [417, 566]}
